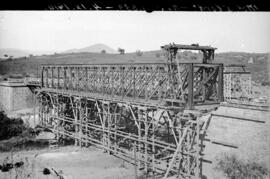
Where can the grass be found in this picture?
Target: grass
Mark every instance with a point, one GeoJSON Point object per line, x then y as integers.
{"type": "Point", "coordinates": [234, 168]}
{"type": "Point", "coordinates": [22, 143]}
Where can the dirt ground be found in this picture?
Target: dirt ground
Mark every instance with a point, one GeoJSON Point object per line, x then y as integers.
{"type": "Point", "coordinates": [260, 91]}
{"type": "Point", "coordinates": [71, 162]}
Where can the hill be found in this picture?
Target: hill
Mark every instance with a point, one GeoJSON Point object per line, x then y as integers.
{"type": "Point", "coordinates": [96, 48]}
{"type": "Point", "coordinates": [12, 52]}
{"type": "Point", "coordinates": [257, 63]}
{"type": "Point", "coordinates": [16, 53]}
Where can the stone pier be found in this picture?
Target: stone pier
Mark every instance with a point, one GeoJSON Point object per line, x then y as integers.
{"type": "Point", "coordinates": [15, 95]}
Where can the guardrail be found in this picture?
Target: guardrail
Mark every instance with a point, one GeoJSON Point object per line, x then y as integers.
{"type": "Point", "coordinates": [34, 81]}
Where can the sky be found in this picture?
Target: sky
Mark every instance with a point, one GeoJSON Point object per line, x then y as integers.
{"type": "Point", "coordinates": [134, 30]}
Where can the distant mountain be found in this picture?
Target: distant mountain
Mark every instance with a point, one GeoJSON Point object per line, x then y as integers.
{"type": "Point", "coordinates": [15, 53]}
{"type": "Point", "coordinates": [4, 52]}
{"type": "Point", "coordinates": [96, 48]}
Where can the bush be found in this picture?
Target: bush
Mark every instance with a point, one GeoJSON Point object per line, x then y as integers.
{"type": "Point", "coordinates": [139, 53]}
{"type": "Point", "coordinates": [266, 83]}
{"type": "Point", "coordinates": [22, 143]}
{"type": "Point", "coordinates": [121, 51]}
{"type": "Point", "coordinates": [234, 168]}
{"type": "Point", "coordinates": [10, 127]}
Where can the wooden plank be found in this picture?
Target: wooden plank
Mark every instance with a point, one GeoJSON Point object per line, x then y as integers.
{"type": "Point", "coordinates": [223, 143]}
{"type": "Point", "coordinates": [237, 117]}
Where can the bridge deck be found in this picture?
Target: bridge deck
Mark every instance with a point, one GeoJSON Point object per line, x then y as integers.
{"type": "Point", "coordinates": [116, 99]}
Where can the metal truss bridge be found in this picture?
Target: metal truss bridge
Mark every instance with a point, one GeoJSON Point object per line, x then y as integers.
{"type": "Point", "coordinates": [134, 111]}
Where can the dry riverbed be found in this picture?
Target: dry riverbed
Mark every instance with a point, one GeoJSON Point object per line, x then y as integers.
{"type": "Point", "coordinates": [69, 162]}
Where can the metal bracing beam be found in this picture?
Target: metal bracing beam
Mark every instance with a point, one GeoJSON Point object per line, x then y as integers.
{"type": "Point", "coordinates": [207, 79]}
{"type": "Point", "coordinates": [176, 153]}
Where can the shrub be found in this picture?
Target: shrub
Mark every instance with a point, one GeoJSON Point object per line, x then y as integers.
{"type": "Point", "coordinates": [266, 83]}
{"type": "Point", "coordinates": [234, 168]}
{"type": "Point", "coordinates": [121, 51]}
{"type": "Point", "coordinates": [10, 127]}
{"type": "Point", "coordinates": [139, 53]}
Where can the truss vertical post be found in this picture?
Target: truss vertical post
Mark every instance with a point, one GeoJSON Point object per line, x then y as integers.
{"type": "Point", "coordinates": [77, 78]}
{"type": "Point", "coordinates": [153, 144]}
{"type": "Point", "coordinates": [34, 98]}
{"type": "Point", "coordinates": [42, 77]}
{"type": "Point", "coordinates": [109, 125]}
{"type": "Point", "coordinates": [134, 82]}
{"type": "Point", "coordinates": [190, 86]}
{"type": "Point", "coordinates": [86, 79]}
{"type": "Point", "coordinates": [58, 76]}
{"type": "Point", "coordinates": [80, 122]}
{"type": "Point", "coordinates": [139, 135]}
{"type": "Point", "coordinates": [39, 111]}
{"type": "Point", "coordinates": [103, 120]}
{"type": "Point", "coordinates": [86, 126]}
{"type": "Point", "coordinates": [70, 86]}
{"type": "Point", "coordinates": [220, 83]}
{"type": "Point", "coordinates": [76, 123]}
{"type": "Point", "coordinates": [203, 87]}
{"type": "Point", "coordinates": [198, 161]}
{"type": "Point", "coordinates": [135, 161]}
{"type": "Point", "coordinates": [115, 129]}
{"type": "Point", "coordinates": [65, 78]}
{"type": "Point", "coordinates": [180, 134]}
{"type": "Point", "coordinates": [57, 116]}
{"type": "Point", "coordinates": [47, 77]}
{"type": "Point", "coordinates": [145, 138]}
{"type": "Point", "coordinates": [52, 79]}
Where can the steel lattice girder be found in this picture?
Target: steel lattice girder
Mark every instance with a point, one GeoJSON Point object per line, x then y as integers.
{"type": "Point", "coordinates": [237, 85]}
{"type": "Point", "coordinates": [176, 84]}
{"type": "Point", "coordinates": [160, 141]}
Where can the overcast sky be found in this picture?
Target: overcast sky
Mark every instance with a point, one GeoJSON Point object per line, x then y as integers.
{"type": "Point", "coordinates": [134, 30]}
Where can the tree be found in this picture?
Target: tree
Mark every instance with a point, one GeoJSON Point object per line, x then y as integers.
{"type": "Point", "coordinates": [139, 53]}
{"type": "Point", "coordinates": [103, 51]}
{"type": "Point", "coordinates": [121, 51]}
